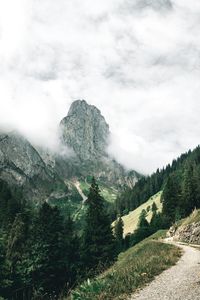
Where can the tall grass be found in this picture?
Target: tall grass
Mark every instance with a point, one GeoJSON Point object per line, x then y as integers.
{"type": "Point", "coordinates": [134, 268]}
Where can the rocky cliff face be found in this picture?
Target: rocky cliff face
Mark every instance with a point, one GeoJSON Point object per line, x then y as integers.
{"type": "Point", "coordinates": [41, 174]}
{"type": "Point", "coordinates": [85, 130]}
{"type": "Point", "coordinates": [21, 165]}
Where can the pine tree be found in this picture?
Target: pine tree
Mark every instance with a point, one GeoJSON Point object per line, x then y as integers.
{"type": "Point", "coordinates": [154, 207]}
{"type": "Point", "coordinates": [17, 239]}
{"type": "Point", "coordinates": [5, 278]}
{"type": "Point", "coordinates": [196, 178]}
{"type": "Point", "coordinates": [9, 206]}
{"type": "Point", "coordinates": [118, 232]}
{"type": "Point", "coordinates": [156, 222]}
{"type": "Point", "coordinates": [171, 199]}
{"type": "Point", "coordinates": [98, 241]}
{"type": "Point", "coordinates": [49, 266]}
{"type": "Point", "coordinates": [188, 192]}
{"type": "Point", "coordinates": [143, 229]}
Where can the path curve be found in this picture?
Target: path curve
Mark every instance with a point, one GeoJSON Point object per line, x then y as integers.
{"type": "Point", "coordinates": [180, 282]}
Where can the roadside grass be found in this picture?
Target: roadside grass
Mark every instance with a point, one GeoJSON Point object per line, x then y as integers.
{"type": "Point", "coordinates": [131, 220]}
{"type": "Point", "coordinates": [159, 235]}
{"type": "Point", "coordinates": [133, 269]}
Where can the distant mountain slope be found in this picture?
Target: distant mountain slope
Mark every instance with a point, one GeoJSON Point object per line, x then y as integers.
{"type": "Point", "coordinates": [21, 165]}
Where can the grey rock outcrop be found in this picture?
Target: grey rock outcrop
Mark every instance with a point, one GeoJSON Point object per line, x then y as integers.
{"type": "Point", "coordinates": [189, 233]}
{"type": "Point", "coordinates": [85, 130]}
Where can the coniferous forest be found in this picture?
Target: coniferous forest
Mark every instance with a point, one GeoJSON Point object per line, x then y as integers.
{"type": "Point", "coordinates": [180, 182]}
{"type": "Point", "coordinates": [43, 256]}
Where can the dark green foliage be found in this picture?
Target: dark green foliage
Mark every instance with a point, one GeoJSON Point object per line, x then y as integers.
{"type": "Point", "coordinates": [171, 198]}
{"type": "Point", "coordinates": [98, 241]}
{"type": "Point", "coordinates": [49, 262]}
{"type": "Point", "coordinates": [181, 193]}
{"type": "Point", "coordinates": [142, 231]}
{"type": "Point", "coordinates": [154, 207]}
{"type": "Point", "coordinates": [157, 222]}
{"type": "Point", "coordinates": [145, 228]}
{"type": "Point", "coordinates": [118, 232]}
{"type": "Point", "coordinates": [146, 187]}
{"type": "Point", "coordinates": [180, 183]}
{"type": "Point", "coordinates": [40, 250]}
{"type": "Point", "coordinates": [10, 204]}
{"type": "Point", "coordinates": [5, 278]}
{"type": "Point", "coordinates": [188, 191]}
{"type": "Point", "coordinates": [17, 239]}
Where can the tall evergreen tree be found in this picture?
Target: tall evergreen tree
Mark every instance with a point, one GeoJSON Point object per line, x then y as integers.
{"type": "Point", "coordinates": [118, 231]}
{"type": "Point", "coordinates": [196, 182]}
{"type": "Point", "coordinates": [5, 278]}
{"type": "Point", "coordinates": [143, 229]}
{"type": "Point", "coordinates": [98, 241]}
{"type": "Point", "coordinates": [49, 266]}
{"type": "Point", "coordinates": [188, 191]}
{"type": "Point", "coordinates": [154, 207]}
{"type": "Point", "coordinates": [171, 199]}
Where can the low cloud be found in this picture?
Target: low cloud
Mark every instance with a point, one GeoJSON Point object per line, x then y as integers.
{"type": "Point", "coordinates": [138, 61]}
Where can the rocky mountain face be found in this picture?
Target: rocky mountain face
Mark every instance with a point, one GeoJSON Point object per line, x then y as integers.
{"type": "Point", "coordinates": [85, 130]}
{"type": "Point", "coordinates": [21, 165]}
{"type": "Point", "coordinates": [43, 175]}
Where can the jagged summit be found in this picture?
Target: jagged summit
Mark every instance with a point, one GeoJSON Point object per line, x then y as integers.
{"type": "Point", "coordinates": [42, 175]}
{"type": "Point", "coordinates": [82, 104]}
{"type": "Point", "coordinates": [85, 130]}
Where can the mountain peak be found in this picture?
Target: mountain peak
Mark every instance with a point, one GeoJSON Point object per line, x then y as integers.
{"type": "Point", "coordinates": [82, 105]}
{"type": "Point", "coordinates": [85, 130]}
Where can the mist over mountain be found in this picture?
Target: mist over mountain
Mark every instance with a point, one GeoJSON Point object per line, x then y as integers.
{"type": "Point", "coordinates": [137, 61]}
{"type": "Point", "coordinates": [82, 143]}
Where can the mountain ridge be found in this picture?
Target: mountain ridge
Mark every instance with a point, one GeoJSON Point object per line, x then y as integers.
{"type": "Point", "coordinates": [41, 172]}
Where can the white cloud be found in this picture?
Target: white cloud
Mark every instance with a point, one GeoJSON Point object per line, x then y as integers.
{"type": "Point", "coordinates": [138, 61]}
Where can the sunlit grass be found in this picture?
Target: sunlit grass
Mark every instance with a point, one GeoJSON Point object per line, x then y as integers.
{"type": "Point", "coordinates": [131, 220]}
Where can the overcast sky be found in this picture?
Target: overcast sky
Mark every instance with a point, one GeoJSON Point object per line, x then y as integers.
{"type": "Point", "coordinates": [138, 61]}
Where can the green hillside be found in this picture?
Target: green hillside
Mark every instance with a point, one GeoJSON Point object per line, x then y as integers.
{"type": "Point", "coordinates": [131, 220]}
{"type": "Point", "coordinates": [133, 269]}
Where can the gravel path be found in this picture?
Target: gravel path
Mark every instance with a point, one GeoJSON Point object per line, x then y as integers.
{"type": "Point", "coordinates": [180, 282]}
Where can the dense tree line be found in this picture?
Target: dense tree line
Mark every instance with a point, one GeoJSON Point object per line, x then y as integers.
{"type": "Point", "coordinates": [181, 193]}
{"type": "Point", "coordinates": [40, 252]}
{"type": "Point", "coordinates": [146, 187]}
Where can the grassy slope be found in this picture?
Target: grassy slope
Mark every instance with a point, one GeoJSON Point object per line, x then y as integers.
{"type": "Point", "coordinates": [134, 268]}
{"type": "Point", "coordinates": [131, 220]}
